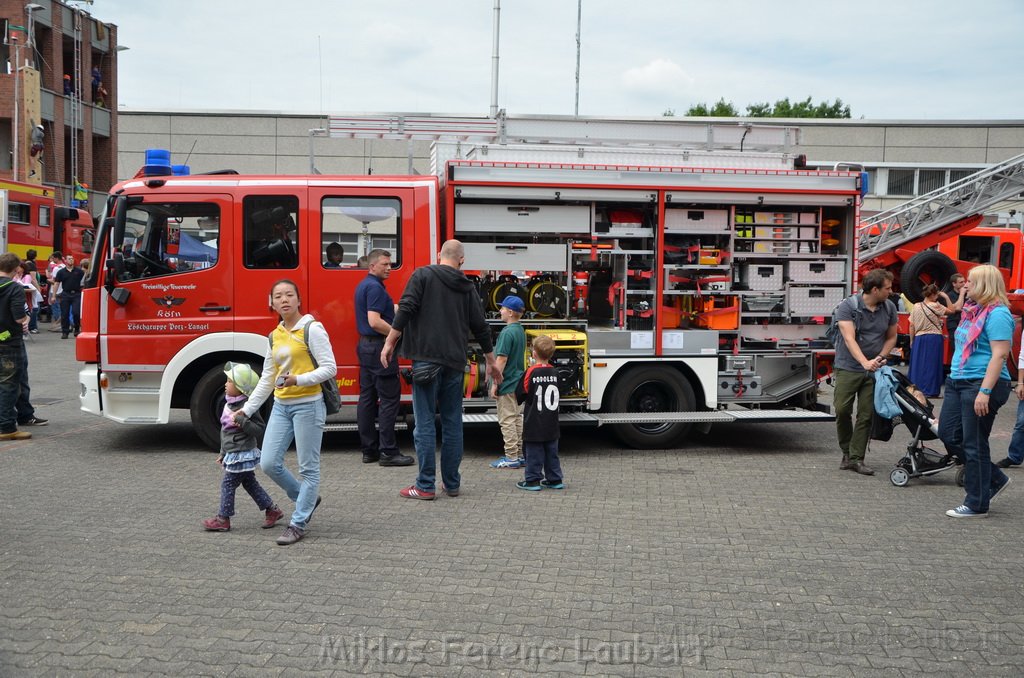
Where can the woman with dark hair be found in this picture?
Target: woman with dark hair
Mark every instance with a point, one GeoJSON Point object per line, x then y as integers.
{"type": "Point", "coordinates": [978, 386]}
{"type": "Point", "coordinates": [927, 342]}
{"type": "Point", "coordinates": [293, 370]}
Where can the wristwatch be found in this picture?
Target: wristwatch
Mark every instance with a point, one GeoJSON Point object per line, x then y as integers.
{"type": "Point", "coordinates": [986, 391]}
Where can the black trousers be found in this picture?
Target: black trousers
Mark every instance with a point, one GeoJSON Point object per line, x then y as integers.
{"type": "Point", "coordinates": [379, 393]}
{"type": "Point", "coordinates": [70, 304]}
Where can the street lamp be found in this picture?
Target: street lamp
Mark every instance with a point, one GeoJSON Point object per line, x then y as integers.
{"type": "Point", "coordinates": [30, 9]}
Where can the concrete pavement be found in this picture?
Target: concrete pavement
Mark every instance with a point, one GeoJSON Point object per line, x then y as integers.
{"type": "Point", "coordinates": [747, 552]}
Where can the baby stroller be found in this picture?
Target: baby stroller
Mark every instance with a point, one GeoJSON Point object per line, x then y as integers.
{"type": "Point", "coordinates": [918, 416]}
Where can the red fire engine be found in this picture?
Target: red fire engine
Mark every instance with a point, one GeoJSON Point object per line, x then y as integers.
{"type": "Point", "coordinates": [682, 286]}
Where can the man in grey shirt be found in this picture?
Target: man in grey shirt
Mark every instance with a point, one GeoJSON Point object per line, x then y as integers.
{"type": "Point", "coordinates": [869, 334]}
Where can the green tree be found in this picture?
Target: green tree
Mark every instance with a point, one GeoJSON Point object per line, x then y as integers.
{"type": "Point", "coordinates": [783, 108]}
{"type": "Point", "coordinates": [722, 109]}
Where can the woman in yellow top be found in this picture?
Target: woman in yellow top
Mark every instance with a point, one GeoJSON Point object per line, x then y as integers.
{"type": "Point", "coordinates": [927, 342]}
{"type": "Point", "coordinates": [299, 412]}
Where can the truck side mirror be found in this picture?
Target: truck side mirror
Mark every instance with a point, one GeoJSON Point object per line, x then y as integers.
{"type": "Point", "coordinates": [120, 295]}
{"type": "Point", "coordinates": [115, 271]}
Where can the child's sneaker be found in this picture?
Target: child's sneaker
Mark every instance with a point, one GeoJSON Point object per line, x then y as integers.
{"type": "Point", "coordinates": [547, 484]}
{"type": "Point", "coordinates": [508, 462]}
{"type": "Point", "coordinates": [274, 514]}
{"type": "Point", "coordinates": [528, 486]}
{"type": "Point", "coordinates": [217, 524]}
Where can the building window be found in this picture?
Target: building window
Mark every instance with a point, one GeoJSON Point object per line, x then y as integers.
{"type": "Point", "coordinates": [901, 182]}
{"type": "Point", "coordinates": [930, 180]}
{"type": "Point", "coordinates": [957, 175]}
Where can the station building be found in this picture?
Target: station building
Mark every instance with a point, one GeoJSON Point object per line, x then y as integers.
{"type": "Point", "coordinates": [50, 55]}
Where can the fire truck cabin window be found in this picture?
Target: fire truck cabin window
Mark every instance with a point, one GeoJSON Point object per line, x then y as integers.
{"type": "Point", "coordinates": [271, 231]}
{"type": "Point", "coordinates": [170, 238]}
{"type": "Point", "coordinates": [352, 227]}
{"type": "Point", "coordinates": [19, 213]}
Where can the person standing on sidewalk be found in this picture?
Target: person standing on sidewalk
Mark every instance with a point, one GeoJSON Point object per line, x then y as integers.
{"type": "Point", "coordinates": [293, 371]}
{"type": "Point", "coordinates": [869, 334]}
{"type": "Point", "coordinates": [538, 389]}
{"type": "Point", "coordinates": [13, 326]}
{"type": "Point", "coordinates": [438, 309]}
{"type": "Point", "coordinates": [1015, 452]}
{"type": "Point", "coordinates": [510, 350]}
{"type": "Point", "coordinates": [70, 280]}
{"type": "Point", "coordinates": [379, 388]}
{"type": "Point", "coordinates": [978, 385]}
{"type": "Point", "coordinates": [53, 294]}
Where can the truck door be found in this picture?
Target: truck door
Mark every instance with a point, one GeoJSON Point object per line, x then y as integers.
{"type": "Point", "coordinates": [347, 224]}
{"type": "Point", "coordinates": [272, 237]}
{"type": "Point", "coordinates": [174, 283]}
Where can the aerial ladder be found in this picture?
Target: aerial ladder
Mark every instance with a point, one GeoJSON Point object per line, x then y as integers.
{"type": "Point", "coordinates": [900, 238]}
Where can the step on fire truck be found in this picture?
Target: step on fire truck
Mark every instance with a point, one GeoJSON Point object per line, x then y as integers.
{"type": "Point", "coordinates": [683, 285]}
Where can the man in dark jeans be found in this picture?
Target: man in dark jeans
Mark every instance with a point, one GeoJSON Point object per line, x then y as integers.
{"type": "Point", "coordinates": [70, 279]}
{"type": "Point", "coordinates": [13, 323]}
{"type": "Point", "coordinates": [379, 388]}
{"type": "Point", "coordinates": [869, 334]}
{"type": "Point", "coordinates": [438, 309]}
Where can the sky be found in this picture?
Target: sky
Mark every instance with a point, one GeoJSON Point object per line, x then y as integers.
{"type": "Point", "coordinates": [887, 59]}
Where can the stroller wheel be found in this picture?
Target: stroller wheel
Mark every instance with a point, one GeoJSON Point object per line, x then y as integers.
{"type": "Point", "coordinates": [960, 476]}
{"type": "Point", "coordinates": [899, 477]}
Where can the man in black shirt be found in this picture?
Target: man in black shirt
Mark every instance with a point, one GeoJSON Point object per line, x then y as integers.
{"type": "Point", "coordinates": [70, 279]}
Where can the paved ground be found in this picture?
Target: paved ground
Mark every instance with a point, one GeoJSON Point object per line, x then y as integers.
{"type": "Point", "coordinates": [745, 553]}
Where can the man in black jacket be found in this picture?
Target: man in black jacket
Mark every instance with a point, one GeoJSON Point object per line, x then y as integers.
{"type": "Point", "coordinates": [438, 309]}
{"type": "Point", "coordinates": [13, 323]}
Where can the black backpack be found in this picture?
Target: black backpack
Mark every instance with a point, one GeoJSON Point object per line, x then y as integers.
{"type": "Point", "coordinates": [832, 335]}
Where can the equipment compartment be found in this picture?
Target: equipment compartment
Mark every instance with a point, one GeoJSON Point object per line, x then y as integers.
{"type": "Point", "coordinates": [519, 219]}
{"type": "Point", "coordinates": [812, 301]}
{"type": "Point", "coordinates": [817, 271]}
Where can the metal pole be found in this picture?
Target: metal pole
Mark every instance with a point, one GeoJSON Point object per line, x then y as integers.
{"type": "Point", "coordinates": [494, 59]}
{"type": "Point", "coordinates": [17, 104]}
{"type": "Point", "coordinates": [579, 28]}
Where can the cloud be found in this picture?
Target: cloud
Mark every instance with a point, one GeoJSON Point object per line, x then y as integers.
{"type": "Point", "coordinates": [659, 77]}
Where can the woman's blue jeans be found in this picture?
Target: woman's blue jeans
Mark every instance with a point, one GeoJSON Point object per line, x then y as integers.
{"type": "Point", "coordinates": [443, 395]}
{"type": "Point", "coordinates": [304, 423]}
{"type": "Point", "coordinates": [966, 436]}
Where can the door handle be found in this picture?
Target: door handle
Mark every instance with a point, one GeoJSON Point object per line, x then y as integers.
{"type": "Point", "coordinates": [208, 309]}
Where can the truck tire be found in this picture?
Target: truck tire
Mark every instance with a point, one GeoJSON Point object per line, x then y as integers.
{"type": "Point", "coordinates": [207, 403]}
{"type": "Point", "coordinates": [652, 388]}
{"type": "Point", "coordinates": [925, 267]}
{"type": "Point", "coordinates": [205, 407]}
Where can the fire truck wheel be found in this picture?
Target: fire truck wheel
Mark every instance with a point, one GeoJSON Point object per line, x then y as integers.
{"type": "Point", "coordinates": [925, 267]}
{"type": "Point", "coordinates": [650, 389]}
